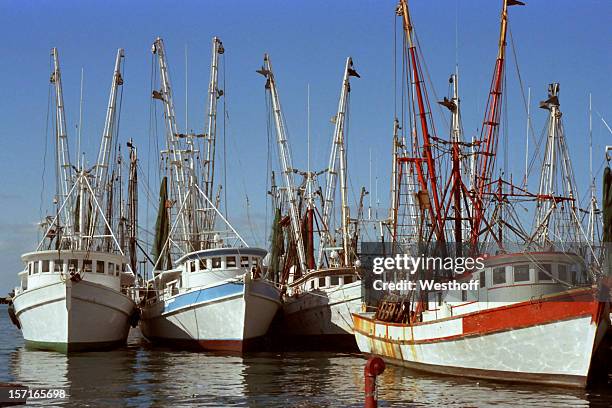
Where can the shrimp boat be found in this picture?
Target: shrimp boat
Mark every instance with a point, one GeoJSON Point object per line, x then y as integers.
{"type": "Point", "coordinates": [208, 291]}
{"type": "Point", "coordinates": [75, 289]}
{"type": "Point", "coordinates": [539, 310]}
{"type": "Point", "coordinates": [320, 295]}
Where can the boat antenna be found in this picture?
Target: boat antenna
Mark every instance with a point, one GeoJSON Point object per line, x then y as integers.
{"type": "Point", "coordinates": [527, 136]}
{"type": "Point", "coordinates": [308, 177]}
{"type": "Point", "coordinates": [186, 94]}
{"type": "Point", "coordinates": [78, 165]}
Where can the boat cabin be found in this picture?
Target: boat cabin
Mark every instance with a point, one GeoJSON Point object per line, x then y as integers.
{"type": "Point", "coordinates": [323, 279]}
{"type": "Point", "coordinates": [508, 279]}
{"type": "Point", "coordinates": [209, 266]}
{"type": "Point", "coordinates": [45, 267]}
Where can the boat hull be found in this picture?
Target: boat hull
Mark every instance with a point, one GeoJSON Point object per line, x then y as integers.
{"type": "Point", "coordinates": [550, 341]}
{"type": "Point", "coordinates": [69, 316]}
{"type": "Point", "coordinates": [323, 317]}
{"type": "Point", "coordinates": [228, 316]}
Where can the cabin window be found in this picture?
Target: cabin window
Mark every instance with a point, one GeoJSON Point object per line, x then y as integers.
{"type": "Point", "coordinates": [111, 268]}
{"type": "Point", "coordinates": [348, 279]}
{"type": "Point", "coordinates": [483, 279]}
{"type": "Point", "coordinates": [439, 295]}
{"type": "Point", "coordinates": [191, 266]}
{"type": "Point", "coordinates": [118, 269]}
{"type": "Point", "coordinates": [100, 266]}
{"type": "Point", "coordinates": [521, 273]}
{"type": "Point", "coordinates": [464, 295]}
{"type": "Point", "coordinates": [544, 272]}
{"type": "Point", "coordinates": [321, 282]}
{"type": "Point", "coordinates": [58, 266]}
{"type": "Point", "coordinates": [73, 265]}
{"type": "Point", "coordinates": [310, 284]}
{"type": "Point", "coordinates": [216, 262]}
{"type": "Point", "coordinates": [45, 267]}
{"type": "Point", "coordinates": [335, 280]}
{"type": "Point", "coordinates": [499, 275]}
{"type": "Point", "coordinates": [563, 273]}
{"type": "Point", "coordinates": [87, 266]}
{"type": "Point", "coordinates": [30, 268]}
{"type": "Point", "coordinates": [202, 264]}
{"type": "Point", "coordinates": [230, 262]}
{"type": "Point", "coordinates": [35, 270]}
{"type": "Point", "coordinates": [244, 261]}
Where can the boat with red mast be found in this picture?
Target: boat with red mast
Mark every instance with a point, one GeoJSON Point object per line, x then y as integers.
{"type": "Point", "coordinates": [539, 312]}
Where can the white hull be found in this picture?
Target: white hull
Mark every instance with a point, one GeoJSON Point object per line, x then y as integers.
{"type": "Point", "coordinates": [227, 315]}
{"type": "Point", "coordinates": [68, 316]}
{"type": "Point", "coordinates": [322, 312]}
{"type": "Point", "coordinates": [550, 343]}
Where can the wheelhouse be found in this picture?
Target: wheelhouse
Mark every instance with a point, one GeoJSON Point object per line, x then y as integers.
{"type": "Point", "coordinates": [46, 267]}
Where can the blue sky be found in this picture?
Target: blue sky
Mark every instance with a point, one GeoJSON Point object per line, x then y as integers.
{"type": "Point", "coordinates": [563, 41]}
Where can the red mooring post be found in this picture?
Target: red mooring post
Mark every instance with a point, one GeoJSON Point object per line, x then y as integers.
{"type": "Point", "coordinates": [373, 368]}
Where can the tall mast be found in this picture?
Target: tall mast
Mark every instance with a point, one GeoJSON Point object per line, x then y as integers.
{"type": "Point", "coordinates": [459, 165]}
{"type": "Point", "coordinates": [286, 163]}
{"type": "Point", "coordinates": [132, 216]}
{"type": "Point", "coordinates": [181, 163]}
{"type": "Point", "coordinates": [593, 210]}
{"type": "Point", "coordinates": [101, 182]}
{"type": "Point", "coordinates": [487, 151]}
{"type": "Point", "coordinates": [338, 153]}
{"type": "Point", "coordinates": [424, 164]}
{"type": "Point", "coordinates": [106, 144]}
{"type": "Point", "coordinates": [556, 221]}
{"type": "Point", "coordinates": [214, 93]}
{"type": "Point", "coordinates": [62, 152]}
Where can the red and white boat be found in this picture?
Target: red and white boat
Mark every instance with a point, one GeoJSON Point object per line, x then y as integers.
{"type": "Point", "coordinates": [536, 314]}
{"type": "Point", "coordinates": [552, 337]}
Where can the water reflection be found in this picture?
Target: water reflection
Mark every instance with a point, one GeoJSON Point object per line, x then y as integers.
{"type": "Point", "coordinates": [139, 375]}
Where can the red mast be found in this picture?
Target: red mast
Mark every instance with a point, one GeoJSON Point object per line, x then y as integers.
{"type": "Point", "coordinates": [485, 159]}
{"type": "Point", "coordinates": [424, 165]}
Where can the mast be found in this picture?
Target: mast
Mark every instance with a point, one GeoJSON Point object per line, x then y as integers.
{"type": "Point", "coordinates": [557, 184]}
{"type": "Point", "coordinates": [460, 167]}
{"type": "Point", "coordinates": [62, 152]}
{"type": "Point", "coordinates": [593, 210]}
{"type": "Point", "coordinates": [487, 151]}
{"type": "Point", "coordinates": [286, 163]}
{"type": "Point", "coordinates": [106, 144]}
{"type": "Point", "coordinates": [394, 179]}
{"type": "Point", "coordinates": [180, 158]}
{"type": "Point", "coordinates": [101, 182]}
{"type": "Point", "coordinates": [338, 153]}
{"type": "Point", "coordinates": [132, 216]}
{"type": "Point", "coordinates": [424, 164]}
{"type": "Point", "coordinates": [214, 93]}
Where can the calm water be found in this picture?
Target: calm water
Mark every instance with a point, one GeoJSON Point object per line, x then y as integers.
{"type": "Point", "coordinates": [139, 375]}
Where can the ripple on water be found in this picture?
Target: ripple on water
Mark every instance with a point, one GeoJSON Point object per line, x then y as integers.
{"type": "Point", "coordinates": [140, 375]}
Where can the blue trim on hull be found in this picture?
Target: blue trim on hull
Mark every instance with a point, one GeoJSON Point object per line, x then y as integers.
{"type": "Point", "coordinates": [204, 295]}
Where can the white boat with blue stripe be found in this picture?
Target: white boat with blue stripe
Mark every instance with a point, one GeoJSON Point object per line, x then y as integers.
{"type": "Point", "coordinates": [214, 299]}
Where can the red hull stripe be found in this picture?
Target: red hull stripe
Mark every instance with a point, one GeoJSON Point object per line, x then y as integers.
{"type": "Point", "coordinates": [202, 345]}
{"type": "Point", "coordinates": [525, 315]}
{"type": "Point", "coordinates": [505, 318]}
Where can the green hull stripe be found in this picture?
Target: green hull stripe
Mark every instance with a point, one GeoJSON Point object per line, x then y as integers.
{"type": "Point", "coordinates": [73, 347]}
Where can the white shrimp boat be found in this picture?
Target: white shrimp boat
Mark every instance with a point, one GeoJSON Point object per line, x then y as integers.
{"type": "Point", "coordinates": [74, 291]}
{"type": "Point", "coordinates": [74, 301]}
{"type": "Point", "coordinates": [321, 294]}
{"type": "Point", "coordinates": [215, 297]}
{"type": "Point", "coordinates": [213, 300]}
{"type": "Point", "coordinates": [319, 307]}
